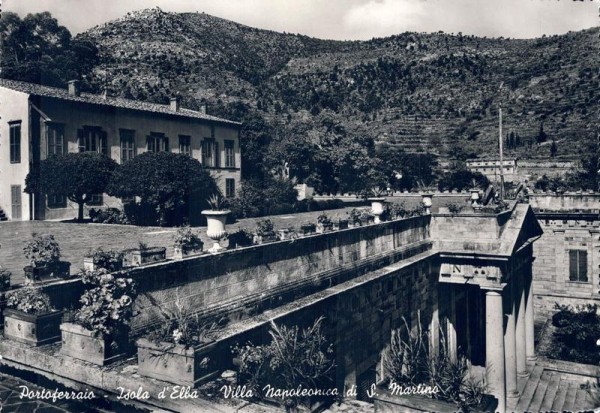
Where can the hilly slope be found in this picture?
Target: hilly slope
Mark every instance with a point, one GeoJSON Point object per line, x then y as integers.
{"type": "Point", "coordinates": [434, 92]}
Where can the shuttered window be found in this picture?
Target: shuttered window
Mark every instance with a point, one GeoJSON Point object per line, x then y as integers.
{"type": "Point", "coordinates": [578, 265]}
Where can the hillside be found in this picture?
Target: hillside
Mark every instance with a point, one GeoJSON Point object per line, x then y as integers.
{"type": "Point", "coordinates": [435, 92]}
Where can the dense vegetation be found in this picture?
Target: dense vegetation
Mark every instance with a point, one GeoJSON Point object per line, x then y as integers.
{"type": "Point", "coordinates": [338, 115]}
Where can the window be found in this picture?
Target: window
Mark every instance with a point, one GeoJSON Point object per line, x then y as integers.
{"type": "Point", "coordinates": [57, 201]}
{"type": "Point", "coordinates": [210, 153]}
{"type": "Point", "coordinates": [127, 144]}
{"type": "Point", "coordinates": [55, 136]}
{"type": "Point", "coordinates": [92, 139]}
{"type": "Point", "coordinates": [578, 265]}
{"type": "Point", "coordinates": [158, 142]}
{"type": "Point", "coordinates": [95, 199]}
{"type": "Point", "coordinates": [15, 142]}
{"type": "Point", "coordinates": [185, 145]}
{"type": "Point", "coordinates": [230, 188]}
{"type": "Point", "coordinates": [229, 154]}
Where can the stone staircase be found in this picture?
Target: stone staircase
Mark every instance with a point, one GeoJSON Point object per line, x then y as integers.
{"type": "Point", "coordinates": [550, 390]}
{"type": "Point", "coordinates": [3, 215]}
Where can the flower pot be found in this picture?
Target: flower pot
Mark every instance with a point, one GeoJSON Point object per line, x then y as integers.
{"type": "Point", "coordinates": [340, 224]}
{"type": "Point", "coordinates": [307, 229]}
{"type": "Point", "coordinates": [283, 234]}
{"type": "Point", "coordinates": [377, 208]}
{"type": "Point", "coordinates": [216, 221]}
{"type": "Point", "coordinates": [180, 252]}
{"type": "Point", "coordinates": [427, 200]}
{"type": "Point", "coordinates": [324, 227]}
{"type": "Point", "coordinates": [137, 257]}
{"type": "Point", "coordinates": [48, 272]}
{"type": "Point", "coordinates": [176, 364]}
{"type": "Point", "coordinates": [90, 265]}
{"type": "Point", "coordinates": [263, 239]}
{"type": "Point", "coordinates": [83, 344]}
{"type": "Point", "coordinates": [33, 329]}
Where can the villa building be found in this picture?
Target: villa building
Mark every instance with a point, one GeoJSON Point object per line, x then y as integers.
{"type": "Point", "coordinates": [491, 168]}
{"type": "Point", "coordinates": [38, 121]}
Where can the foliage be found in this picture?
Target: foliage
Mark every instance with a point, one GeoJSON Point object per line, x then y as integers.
{"type": "Point", "coordinates": [460, 178]}
{"type": "Point", "coordinates": [108, 305]}
{"type": "Point", "coordinates": [181, 326]}
{"type": "Point", "coordinates": [37, 49]}
{"type": "Point", "coordinates": [577, 330]}
{"type": "Point", "coordinates": [294, 358]}
{"type": "Point", "coordinates": [78, 176]}
{"type": "Point", "coordinates": [554, 184]}
{"type": "Point", "coordinates": [29, 300]}
{"type": "Point", "coordinates": [4, 279]}
{"type": "Point", "coordinates": [323, 219]}
{"type": "Point", "coordinates": [109, 216]}
{"type": "Point", "coordinates": [408, 362]}
{"type": "Point", "coordinates": [259, 197]}
{"type": "Point", "coordinates": [264, 227]}
{"type": "Point", "coordinates": [109, 260]}
{"type": "Point", "coordinates": [185, 238]}
{"type": "Point", "coordinates": [42, 250]}
{"type": "Point", "coordinates": [167, 181]}
{"type": "Point", "coordinates": [413, 168]}
{"type": "Point", "coordinates": [217, 202]}
{"type": "Point", "coordinates": [454, 207]}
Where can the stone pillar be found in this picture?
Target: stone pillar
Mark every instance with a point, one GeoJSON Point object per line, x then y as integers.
{"type": "Point", "coordinates": [451, 326]}
{"type": "Point", "coordinates": [510, 347]}
{"type": "Point", "coordinates": [521, 329]}
{"type": "Point", "coordinates": [494, 347]}
{"type": "Point", "coordinates": [529, 333]}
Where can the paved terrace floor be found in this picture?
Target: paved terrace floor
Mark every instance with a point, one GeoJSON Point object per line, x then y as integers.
{"type": "Point", "coordinates": [77, 239]}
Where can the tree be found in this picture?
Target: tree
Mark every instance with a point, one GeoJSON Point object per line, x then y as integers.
{"type": "Point", "coordinates": [541, 136]}
{"type": "Point", "coordinates": [77, 176]}
{"type": "Point", "coordinates": [553, 148]}
{"type": "Point", "coordinates": [164, 180]}
{"type": "Point", "coordinates": [459, 178]}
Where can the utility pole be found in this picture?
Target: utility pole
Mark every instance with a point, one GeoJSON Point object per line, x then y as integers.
{"type": "Point", "coordinates": [500, 143]}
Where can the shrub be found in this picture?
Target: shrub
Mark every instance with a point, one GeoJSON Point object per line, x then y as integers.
{"type": "Point", "coordinates": [265, 227]}
{"type": "Point", "coordinates": [110, 260]}
{"type": "Point", "coordinates": [577, 329]}
{"type": "Point", "coordinates": [241, 237]}
{"type": "Point", "coordinates": [185, 238]}
{"type": "Point", "coordinates": [107, 306]}
{"type": "Point", "coordinates": [42, 250]}
{"type": "Point", "coordinates": [29, 300]}
{"type": "Point", "coordinates": [109, 216]}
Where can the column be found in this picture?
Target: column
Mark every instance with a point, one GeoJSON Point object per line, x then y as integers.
{"type": "Point", "coordinates": [521, 329]}
{"type": "Point", "coordinates": [451, 326]}
{"type": "Point", "coordinates": [529, 333]}
{"type": "Point", "coordinates": [494, 347]}
{"type": "Point", "coordinates": [510, 347]}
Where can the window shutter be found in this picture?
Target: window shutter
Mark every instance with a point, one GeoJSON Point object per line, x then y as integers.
{"type": "Point", "coordinates": [166, 143]}
{"type": "Point", "coordinates": [582, 266]}
{"type": "Point", "coordinates": [573, 265]}
{"type": "Point", "coordinates": [80, 140]}
{"type": "Point", "coordinates": [217, 155]}
{"type": "Point", "coordinates": [103, 143]}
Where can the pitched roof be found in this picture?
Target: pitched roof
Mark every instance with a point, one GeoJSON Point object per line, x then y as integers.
{"type": "Point", "coordinates": [58, 93]}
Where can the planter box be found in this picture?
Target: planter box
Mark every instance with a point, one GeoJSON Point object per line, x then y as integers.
{"type": "Point", "coordinates": [341, 224]}
{"type": "Point", "coordinates": [324, 227]}
{"type": "Point", "coordinates": [33, 329]}
{"type": "Point", "coordinates": [308, 229]}
{"type": "Point", "coordinates": [175, 364]}
{"type": "Point", "coordinates": [60, 269]}
{"type": "Point", "coordinates": [81, 343]}
{"type": "Point", "coordinates": [90, 265]}
{"type": "Point", "coordinates": [137, 257]}
{"type": "Point", "coordinates": [186, 251]}
{"type": "Point", "coordinates": [262, 239]}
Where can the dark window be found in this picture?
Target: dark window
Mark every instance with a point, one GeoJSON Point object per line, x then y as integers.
{"type": "Point", "coordinates": [57, 201]}
{"type": "Point", "coordinates": [95, 200]}
{"type": "Point", "coordinates": [185, 145]}
{"type": "Point", "coordinates": [209, 153]}
{"type": "Point", "coordinates": [229, 154]}
{"type": "Point", "coordinates": [158, 142]}
{"type": "Point", "coordinates": [127, 144]}
{"type": "Point", "coordinates": [92, 139]}
{"type": "Point", "coordinates": [578, 265]}
{"type": "Point", "coordinates": [230, 188]}
{"type": "Point", "coordinates": [55, 135]}
{"type": "Point", "coordinates": [15, 142]}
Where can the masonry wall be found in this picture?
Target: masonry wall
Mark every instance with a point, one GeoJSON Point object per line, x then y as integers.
{"type": "Point", "coordinates": [240, 283]}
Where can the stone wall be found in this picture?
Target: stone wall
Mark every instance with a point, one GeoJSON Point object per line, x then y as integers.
{"type": "Point", "coordinates": [567, 202]}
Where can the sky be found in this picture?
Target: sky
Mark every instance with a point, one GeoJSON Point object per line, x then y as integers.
{"type": "Point", "coordinates": [347, 19]}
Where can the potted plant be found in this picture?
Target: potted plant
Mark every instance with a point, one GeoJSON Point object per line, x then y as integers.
{"type": "Point", "coordinates": [144, 254]}
{"type": "Point", "coordinates": [43, 253]}
{"type": "Point", "coordinates": [354, 216]}
{"type": "Point", "coordinates": [110, 260]}
{"type": "Point", "coordinates": [99, 331]}
{"type": "Point", "coordinates": [264, 231]}
{"type": "Point", "coordinates": [186, 243]}
{"type": "Point", "coordinates": [366, 218]}
{"type": "Point", "coordinates": [216, 219]}
{"type": "Point", "coordinates": [240, 238]}
{"type": "Point", "coordinates": [179, 351]}
{"type": "Point", "coordinates": [4, 286]}
{"type": "Point", "coordinates": [307, 228]}
{"type": "Point", "coordinates": [324, 224]}
{"type": "Point", "coordinates": [30, 318]}
{"type": "Point", "coordinates": [339, 223]}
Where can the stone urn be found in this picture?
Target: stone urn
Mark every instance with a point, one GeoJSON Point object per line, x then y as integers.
{"type": "Point", "coordinates": [475, 198]}
{"type": "Point", "coordinates": [377, 208]}
{"type": "Point", "coordinates": [427, 201]}
{"type": "Point", "coordinates": [216, 227]}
